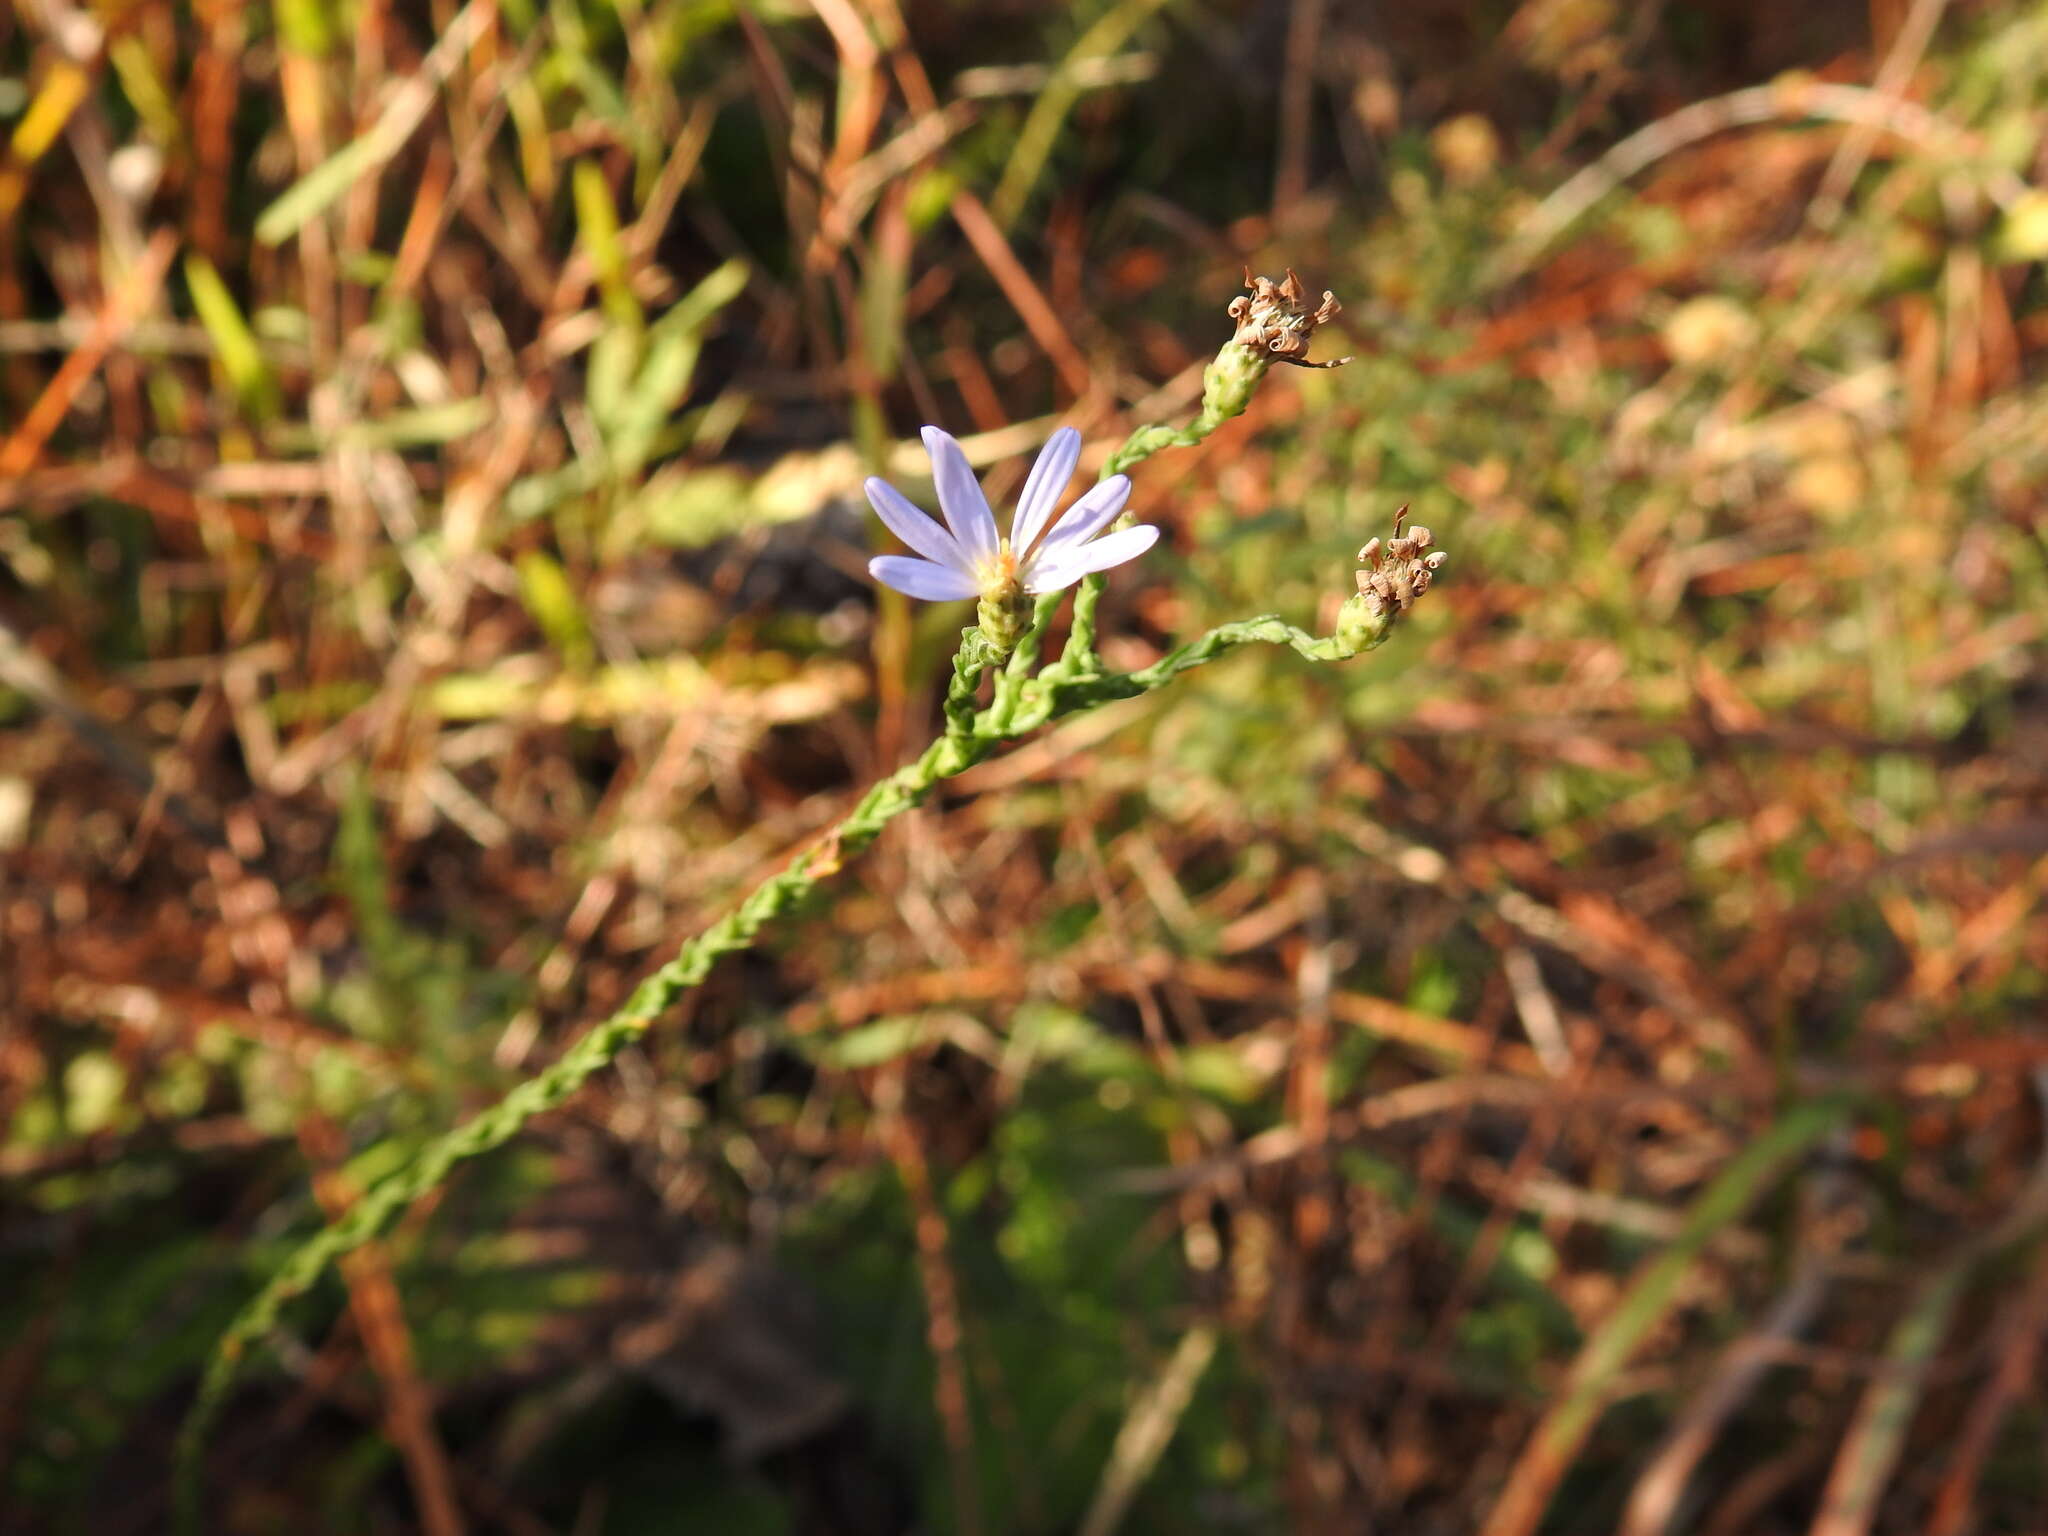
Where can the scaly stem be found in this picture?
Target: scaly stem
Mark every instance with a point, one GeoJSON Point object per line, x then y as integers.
{"type": "Point", "coordinates": [1022, 706]}
{"type": "Point", "coordinates": [1025, 698]}
{"type": "Point", "coordinates": [1227, 386]}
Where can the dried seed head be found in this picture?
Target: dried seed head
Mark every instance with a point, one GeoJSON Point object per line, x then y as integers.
{"type": "Point", "coordinates": [1391, 576]}
{"type": "Point", "coordinates": [1275, 324]}
{"type": "Point", "coordinates": [1276, 321]}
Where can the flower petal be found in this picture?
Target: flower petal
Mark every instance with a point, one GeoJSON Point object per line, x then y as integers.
{"type": "Point", "coordinates": [960, 498]}
{"type": "Point", "coordinates": [1091, 514]}
{"type": "Point", "coordinates": [921, 578]}
{"type": "Point", "coordinates": [912, 526]}
{"type": "Point", "coordinates": [1041, 493]}
{"type": "Point", "coordinates": [1062, 567]}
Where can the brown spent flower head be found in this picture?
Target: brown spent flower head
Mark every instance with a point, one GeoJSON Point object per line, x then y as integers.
{"type": "Point", "coordinates": [1392, 576]}
{"type": "Point", "coordinates": [1276, 322]}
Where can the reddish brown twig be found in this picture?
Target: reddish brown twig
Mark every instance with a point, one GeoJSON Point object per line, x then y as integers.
{"type": "Point", "coordinates": [120, 310]}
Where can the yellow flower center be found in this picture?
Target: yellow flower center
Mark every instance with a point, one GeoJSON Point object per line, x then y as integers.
{"type": "Point", "coordinates": [999, 574]}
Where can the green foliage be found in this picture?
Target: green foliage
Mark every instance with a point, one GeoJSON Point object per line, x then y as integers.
{"type": "Point", "coordinates": [241, 359]}
{"type": "Point", "coordinates": [1724, 725]}
{"type": "Point", "coordinates": [1022, 702]}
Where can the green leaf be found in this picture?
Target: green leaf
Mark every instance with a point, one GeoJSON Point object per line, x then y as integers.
{"type": "Point", "coordinates": [234, 344]}
{"type": "Point", "coordinates": [597, 231]}
{"type": "Point", "coordinates": [303, 27]}
{"type": "Point", "coordinates": [882, 294]}
{"type": "Point", "coordinates": [614, 363]}
{"type": "Point", "coordinates": [688, 509]}
{"type": "Point", "coordinates": [305, 198]}
{"type": "Point", "coordinates": [872, 1044]}
{"type": "Point", "coordinates": [545, 590]}
{"type": "Point", "coordinates": [632, 416]}
{"type": "Point", "coordinates": [2023, 236]}
{"type": "Point", "coordinates": [145, 91]}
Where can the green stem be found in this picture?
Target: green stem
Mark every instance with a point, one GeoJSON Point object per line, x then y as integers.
{"type": "Point", "coordinates": [976, 655]}
{"type": "Point", "coordinates": [1227, 387]}
{"type": "Point", "coordinates": [1078, 655]}
{"type": "Point", "coordinates": [969, 737]}
{"type": "Point", "coordinates": [1025, 698]}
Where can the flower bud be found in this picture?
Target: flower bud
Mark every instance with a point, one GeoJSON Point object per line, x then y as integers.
{"type": "Point", "coordinates": [1004, 615]}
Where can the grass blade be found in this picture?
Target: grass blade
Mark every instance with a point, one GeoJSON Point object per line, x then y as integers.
{"type": "Point", "coordinates": [1648, 1300]}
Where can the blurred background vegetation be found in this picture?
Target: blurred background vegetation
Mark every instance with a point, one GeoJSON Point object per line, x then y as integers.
{"type": "Point", "coordinates": [1577, 1068]}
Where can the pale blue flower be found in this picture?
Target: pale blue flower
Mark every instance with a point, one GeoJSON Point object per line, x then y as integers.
{"type": "Point", "coordinates": [966, 558]}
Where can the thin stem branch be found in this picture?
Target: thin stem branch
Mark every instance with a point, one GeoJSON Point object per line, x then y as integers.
{"type": "Point", "coordinates": [969, 737]}
{"type": "Point", "coordinates": [1025, 698]}
{"type": "Point", "coordinates": [1078, 656]}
